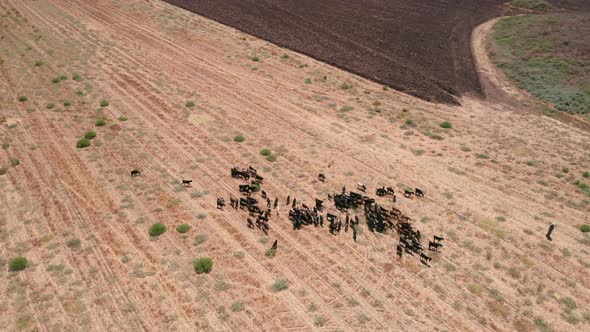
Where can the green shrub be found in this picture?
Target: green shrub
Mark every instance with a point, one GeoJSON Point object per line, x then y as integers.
{"type": "Point", "coordinates": [482, 156]}
{"type": "Point", "coordinates": [585, 228]}
{"type": "Point", "coordinates": [319, 321]}
{"type": "Point", "coordinates": [100, 122]}
{"type": "Point", "coordinates": [270, 253]}
{"type": "Point", "coordinates": [18, 264]}
{"type": "Point", "coordinates": [308, 81]}
{"type": "Point", "coordinates": [123, 118]}
{"type": "Point", "coordinates": [255, 58]}
{"type": "Point", "coordinates": [203, 265]}
{"type": "Point", "coordinates": [104, 103]}
{"type": "Point", "coordinates": [237, 306]}
{"type": "Point", "coordinates": [446, 125]}
{"type": "Point", "coordinates": [3, 170]}
{"type": "Point", "coordinates": [50, 106]}
{"type": "Point", "coordinates": [157, 229]}
{"type": "Point", "coordinates": [345, 86]}
{"type": "Point", "coordinates": [80, 93]}
{"type": "Point", "coordinates": [77, 77]}
{"type": "Point", "coordinates": [14, 162]}
{"type": "Point", "coordinates": [280, 285]}
{"type": "Point", "coordinates": [239, 138]}
{"type": "Point", "coordinates": [67, 103]}
{"type": "Point", "coordinates": [200, 239]}
{"type": "Point", "coordinates": [183, 228]}
{"type": "Point", "coordinates": [409, 122]}
{"type": "Point", "coordinates": [63, 77]}
{"type": "Point", "coordinates": [55, 80]}
{"type": "Point", "coordinates": [22, 98]}
{"type": "Point", "coordinates": [83, 143]}
{"type": "Point", "coordinates": [586, 174]}
{"type": "Point", "coordinates": [265, 152]}
{"type": "Point", "coordinates": [272, 157]}
{"type": "Point", "coordinates": [38, 63]}
{"type": "Point", "coordinates": [5, 146]}
{"type": "Point", "coordinates": [285, 56]}
{"type": "Point", "coordinates": [90, 134]}
{"type": "Point", "coordinates": [73, 244]}
{"type": "Point", "coordinates": [190, 104]}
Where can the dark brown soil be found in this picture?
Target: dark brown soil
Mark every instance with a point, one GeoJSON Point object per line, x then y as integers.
{"type": "Point", "coordinates": [419, 47]}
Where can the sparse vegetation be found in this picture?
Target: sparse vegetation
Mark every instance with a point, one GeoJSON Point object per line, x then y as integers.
{"type": "Point", "coordinates": [270, 253]}
{"type": "Point", "coordinates": [255, 58]}
{"type": "Point", "coordinates": [446, 125]}
{"type": "Point", "coordinates": [104, 103]}
{"type": "Point", "coordinates": [237, 306]}
{"type": "Point", "coordinates": [239, 138]}
{"type": "Point", "coordinates": [123, 118]}
{"type": "Point", "coordinates": [50, 106]}
{"type": "Point", "coordinates": [14, 162]}
{"type": "Point", "coordinates": [18, 264]}
{"type": "Point", "coordinates": [539, 53]}
{"type": "Point", "coordinates": [38, 63]}
{"type": "Point", "coordinates": [319, 321]}
{"type": "Point", "coordinates": [265, 152]}
{"type": "Point", "coordinates": [189, 104]}
{"type": "Point", "coordinates": [5, 146]}
{"type": "Point", "coordinates": [183, 228]}
{"type": "Point", "coordinates": [90, 134]}
{"type": "Point", "coordinates": [585, 228]}
{"type": "Point", "coordinates": [200, 239]}
{"type": "Point", "coordinates": [203, 265]}
{"type": "Point", "coordinates": [76, 77]}
{"type": "Point", "coordinates": [67, 103]}
{"type": "Point", "coordinates": [100, 122]}
{"type": "Point", "coordinates": [3, 170]}
{"type": "Point", "coordinates": [83, 143]}
{"type": "Point", "coordinates": [538, 5]}
{"type": "Point", "coordinates": [22, 98]}
{"type": "Point", "coordinates": [157, 229]}
{"type": "Point", "coordinates": [73, 244]}
{"type": "Point", "coordinates": [280, 285]}
{"type": "Point", "coordinates": [271, 158]}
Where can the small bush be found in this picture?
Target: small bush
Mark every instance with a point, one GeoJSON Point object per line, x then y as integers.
{"type": "Point", "coordinates": [345, 86]}
{"type": "Point", "coordinates": [272, 157]}
{"type": "Point", "coordinates": [482, 156]}
{"type": "Point", "coordinates": [100, 122]}
{"type": "Point", "coordinates": [104, 103]}
{"type": "Point", "coordinates": [200, 239]}
{"type": "Point", "coordinates": [255, 58]}
{"type": "Point", "coordinates": [265, 152]}
{"type": "Point", "coordinates": [39, 63]}
{"type": "Point", "coordinates": [446, 125]}
{"type": "Point", "coordinates": [157, 229]}
{"type": "Point", "coordinates": [285, 56]}
{"type": "Point", "coordinates": [586, 174]}
{"type": "Point", "coordinates": [3, 170]}
{"type": "Point", "coordinates": [123, 118]}
{"type": "Point", "coordinates": [183, 228]}
{"type": "Point", "coordinates": [585, 228]}
{"type": "Point", "coordinates": [270, 253]}
{"type": "Point", "coordinates": [189, 104]}
{"type": "Point", "coordinates": [280, 285]}
{"type": "Point", "coordinates": [50, 106]}
{"type": "Point", "coordinates": [409, 122]}
{"type": "Point", "coordinates": [239, 138]}
{"type": "Point", "coordinates": [203, 265]}
{"type": "Point", "coordinates": [83, 143]}
{"type": "Point", "coordinates": [18, 264]}
{"type": "Point", "coordinates": [5, 146]}
{"type": "Point", "coordinates": [22, 98]}
{"type": "Point", "coordinates": [63, 77]}
{"type": "Point", "coordinates": [90, 134]}
{"type": "Point", "coordinates": [14, 162]}
{"type": "Point", "coordinates": [67, 103]}
{"type": "Point", "coordinates": [55, 80]}
{"type": "Point", "coordinates": [73, 244]}
{"type": "Point", "coordinates": [237, 306]}
{"type": "Point", "coordinates": [319, 321]}
{"type": "Point", "coordinates": [80, 93]}
{"type": "Point", "coordinates": [308, 81]}
{"type": "Point", "coordinates": [77, 77]}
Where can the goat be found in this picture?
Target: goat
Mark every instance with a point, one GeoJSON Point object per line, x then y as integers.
{"type": "Point", "coordinates": [187, 183]}
{"type": "Point", "coordinates": [408, 193]}
{"type": "Point", "coordinates": [438, 238]}
{"type": "Point", "coordinates": [434, 245]}
{"type": "Point", "coordinates": [424, 259]}
{"type": "Point", "coordinates": [419, 193]}
{"type": "Point", "coordinates": [361, 187]}
{"type": "Point", "coordinates": [135, 172]}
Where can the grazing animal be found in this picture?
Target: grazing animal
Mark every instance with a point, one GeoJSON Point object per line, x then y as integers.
{"type": "Point", "coordinates": [424, 259]}
{"type": "Point", "coordinates": [408, 193]}
{"type": "Point", "coordinates": [276, 204]}
{"type": "Point", "coordinates": [187, 183]}
{"type": "Point", "coordinates": [275, 245]}
{"type": "Point", "coordinates": [135, 172]}
{"type": "Point", "coordinates": [399, 250]}
{"type": "Point", "coordinates": [438, 238]}
{"type": "Point", "coordinates": [220, 203]}
{"type": "Point", "coordinates": [419, 193]}
{"type": "Point", "coordinates": [250, 223]}
{"type": "Point", "coordinates": [361, 187]}
{"type": "Point", "coordinates": [321, 177]}
{"type": "Point", "coordinates": [434, 245]}
{"type": "Point", "coordinates": [381, 192]}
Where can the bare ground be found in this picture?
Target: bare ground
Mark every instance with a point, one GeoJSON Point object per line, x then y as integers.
{"type": "Point", "coordinates": [493, 184]}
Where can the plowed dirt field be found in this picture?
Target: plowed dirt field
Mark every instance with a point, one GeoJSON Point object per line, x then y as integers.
{"type": "Point", "coordinates": [179, 88]}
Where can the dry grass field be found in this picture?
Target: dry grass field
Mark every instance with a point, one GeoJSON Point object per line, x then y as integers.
{"type": "Point", "coordinates": [167, 91]}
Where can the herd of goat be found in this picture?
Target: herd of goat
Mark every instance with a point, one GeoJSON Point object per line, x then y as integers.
{"type": "Point", "coordinates": [378, 218]}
